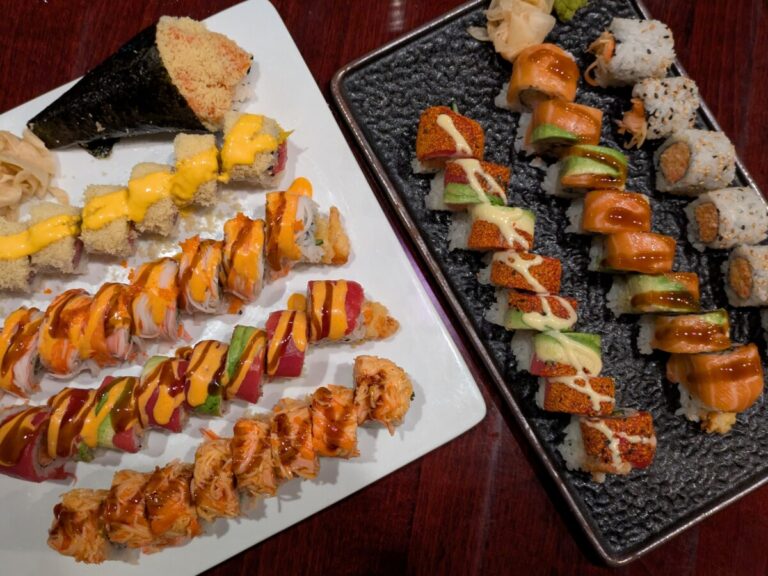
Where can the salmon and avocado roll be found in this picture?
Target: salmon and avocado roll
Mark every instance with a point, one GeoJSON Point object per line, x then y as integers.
{"type": "Point", "coordinates": [205, 369]}
{"type": "Point", "coordinates": [489, 228]}
{"type": "Point", "coordinates": [174, 76]}
{"type": "Point", "coordinates": [609, 212]}
{"type": "Point", "coordinates": [19, 342]}
{"type": "Point", "coordinates": [108, 337]}
{"type": "Point", "coordinates": [161, 394]}
{"type": "Point", "coordinates": [106, 227]}
{"type": "Point", "coordinates": [113, 421]}
{"type": "Point", "coordinates": [293, 448]}
{"type": "Point", "coordinates": [643, 252]}
{"type": "Point", "coordinates": [154, 297]}
{"type": "Point", "coordinates": [516, 310]}
{"type": "Point", "coordinates": [334, 422]}
{"type": "Point", "coordinates": [61, 331]}
{"type": "Point", "coordinates": [693, 161]}
{"type": "Point", "coordinates": [78, 526]}
{"type": "Point", "coordinates": [613, 444]}
{"type": "Point", "coordinates": [585, 167]}
{"type": "Point", "coordinates": [255, 149]}
{"type": "Point", "coordinates": [15, 267]}
{"type": "Point", "coordinates": [171, 513]}
{"type": "Point", "coordinates": [213, 483]}
{"type": "Point", "coordinates": [252, 458]}
{"type": "Point", "coordinates": [523, 271]}
{"type": "Point", "coordinates": [554, 353]}
{"type": "Point", "coordinates": [69, 411]}
{"type": "Point", "coordinates": [125, 515]}
{"type": "Point", "coordinates": [466, 183]}
{"type": "Point", "coordinates": [673, 292]}
{"type": "Point", "coordinates": [24, 445]}
{"type": "Point", "coordinates": [715, 386]}
{"type": "Point", "coordinates": [555, 125]}
{"type": "Point", "coordinates": [444, 135]}
{"type": "Point", "coordinates": [61, 226]}
{"type": "Point", "coordinates": [287, 338]}
{"type": "Point", "coordinates": [726, 218]}
{"type": "Point", "coordinates": [150, 205]}
{"type": "Point", "coordinates": [244, 367]}
{"type": "Point", "coordinates": [242, 272]}
{"type": "Point", "coordinates": [685, 333]}
{"type": "Point", "coordinates": [746, 276]}
{"type": "Point", "coordinates": [200, 267]}
{"type": "Point", "coordinates": [579, 394]}
{"type": "Point", "coordinates": [196, 171]}
{"type": "Point", "coordinates": [540, 72]}
{"type": "Point", "coordinates": [383, 391]}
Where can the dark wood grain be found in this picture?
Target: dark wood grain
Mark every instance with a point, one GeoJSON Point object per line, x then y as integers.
{"type": "Point", "coordinates": [479, 505]}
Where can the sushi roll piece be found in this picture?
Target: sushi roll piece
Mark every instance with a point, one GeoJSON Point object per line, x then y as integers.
{"type": "Point", "coordinates": [715, 386]}
{"type": "Point", "coordinates": [255, 149]}
{"type": "Point", "coordinates": [660, 107]}
{"type": "Point", "coordinates": [61, 332]}
{"type": "Point", "coordinates": [334, 422]}
{"type": "Point", "coordinates": [523, 271]}
{"type": "Point", "coordinates": [673, 292]}
{"type": "Point", "coordinates": [78, 529]}
{"type": "Point", "coordinates": [24, 446]}
{"type": "Point", "coordinates": [150, 204]}
{"type": "Point", "coordinates": [15, 267]}
{"type": "Point", "coordinates": [540, 72]}
{"type": "Point", "coordinates": [171, 514]}
{"type": "Point", "coordinates": [175, 75]}
{"type": "Point", "coordinates": [470, 182]}
{"type": "Point", "coordinates": [555, 354]}
{"type": "Point", "coordinates": [161, 394]}
{"type": "Point", "coordinates": [746, 276]}
{"type": "Point", "coordinates": [630, 51]}
{"type": "Point", "coordinates": [609, 212]}
{"type": "Point", "coordinates": [692, 161]}
{"type": "Point", "coordinates": [108, 339]}
{"type": "Point", "coordinates": [252, 459]}
{"type": "Point", "coordinates": [556, 125]}
{"type": "Point", "coordinates": [69, 410]}
{"type": "Point", "coordinates": [489, 227]}
{"type": "Point", "coordinates": [106, 227]}
{"type": "Point", "coordinates": [19, 341]}
{"type": "Point", "coordinates": [726, 218]}
{"type": "Point", "coordinates": [244, 367]}
{"type": "Point", "coordinates": [335, 311]}
{"type": "Point", "coordinates": [644, 252]}
{"type": "Point", "coordinates": [614, 444]}
{"type": "Point", "coordinates": [685, 333]}
{"type": "Point", "coordinates": [444, 135]}
{"type": "Point", "coordinates": [113, 421]}
{"type": "Point", "coordinates": [200, 268]}
{"type": "Point", "coordinates": [196, 172]}
{"type": "Point", "coordinates": [584, 167]}
{"type": "Point", "coordinates": [515, 310]}
{"type": "Point", "coordinates": [579, 394]}
{"type": "Point", "coordinates": [124, 513]}
{"type": "Point", "coordinates": [213, 481]}
{"type": "Point", "coordinates": [293, 449]}
{"type": "Point", "coordinates": [59, 225]}
{"type": "Point", "coordinates": [206, 365]}
{"type": "Point", "coordinates": [154, 296]}
{"type": "Point", "coordinates": [383, 391]}
{"type": "Point", "coordinates": [287, 337]}
{"type": "Point", "coordinates": [243, 257]}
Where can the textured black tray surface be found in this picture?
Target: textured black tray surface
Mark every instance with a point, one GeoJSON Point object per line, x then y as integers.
{"type": "Point", "coordinates": [692, 471]}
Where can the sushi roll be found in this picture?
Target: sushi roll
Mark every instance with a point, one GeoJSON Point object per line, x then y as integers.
{"type": "Point", "coordinates": [644, 252]}
{"type": "Point", "coordinates": [614, 444]}
{"type": "Point", "coordinates": [245, 363]}
{"type": "Point", "coordinates": [584, 167]}
{"type": "Point", "coordinates": [445, 135]}
{"type": "Point", "coordinates": [124, 513]}
{"type": "Point", "coordinates": [196, 172]}
{"type": "Point", "coordinates": [660, 107]}
{"type": "Point", "coordinates": [515, 310]}
{"type": "Point", "coordinates": [554, 354]}
{"type": "Point", "coordinates": [555, 125]}
{"type": "Point", "coordinates": [609, 212]}
{"type": "Point", "coordinates": [746, 276]}
{"type": "Point", "coordinates": [685, 333]}
{"type": "Point", "coordinates": [540, 72]}
{"type": "Point", "coordinates": [334, 422]}
{"type": "Point", "coordinates": [15, 267]}
{"type": "Point", "coordinates": [692, 161]}
{"type": "Point", "coordinates": [113, 421]}
{"type": "Point", "coordinates": [287, 337]}
{"type": "Point", "coordinates": [19, 341]}
{"type": "Point", "coordinates": [154, 295]}
{"type": "Point", "coordinates": [206, 365]}
{"type": "Point", "coordinates": [150, 205]}
{"type": "Point", "coordinates": [106, 227]}
{"type": "Point", "coordinates": [715, 386]}
{"type": "Point", "coordinates": [631, 51]}
{"type": "Point", "coordinates": [171, 514]}
{"type": "Point", "coordinates": [523, 271]}
{"type": "Point", "coordinates": [173, 76]}
{"type": "Point", "coordinates": [78, 529]}
{"type": "Point", "coordinates": [335, 311]}
{"type": "Point", "coordinates": [254, 149]}
{"type": "Point", "coordinates": [293, 449]}
{"type": "Point", "coordinates": [469, 182]}
{"type": "Point", "coordinates": [61, 331]}
{"type": "Point", "coordinates": [726, 218]}
{"type": "Point", "coordinates": [24, 446]}
{"type": "Point", "coordinates": [252, 459]}
{"type": "Point", "coordinates": [213, 482]}
{"type": "Point", "coordinates": [674, 292]}
{"type": "Point", "coordinates": [69, 411]}
{"type": "Point", "coordinates": [107, 339]}
{"type": "Point", "coordinates": [383, 391]}
{"type": "Point", "coordinates": [489, 227]}
{"type": "Point", "coordinates": [243, 257]}
{"type": "Point", "coordinates": [200, 268]}
{"type": "Point", "coordinates": [161, 394]}
{"type": "Point", "coordinates": [580, 394]}
{"type": "Point", "coordinates": [57, 227]}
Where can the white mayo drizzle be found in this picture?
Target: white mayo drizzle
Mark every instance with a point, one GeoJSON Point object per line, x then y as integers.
{"type": "Point", "coordinates": [546, 320]}
{"type": "Point", "coordinates": [614, 437]}
{"type": "Point", "coordinates": [474, 172]}
{"type": "Point", "coordinates": [446, 123]}
{"type": "Point", "coordinates": [509, 221]}
{"type": "Point", "coordinates": [582, 384]}
{"type": "Point", "coordinates": [578, 355]}
{"type": "Point", "coordinates": [522, 267]}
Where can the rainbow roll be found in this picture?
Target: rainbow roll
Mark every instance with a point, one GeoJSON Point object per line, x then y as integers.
{"type": "Point", "coordinates": [161, 394]}
{"type": "Point", "coordinates": [245, 364]}
{"type": "Point", "coordinates": [23, 452]}
{"type": "Point", "coordinates": [287, 336]}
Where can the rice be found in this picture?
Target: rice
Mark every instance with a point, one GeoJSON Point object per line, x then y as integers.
{"type": "Point", "coordinates": [572, 447]}
{"type": "Point", "coordinates": [522, 130]}
{"type": "Point", "coordinates": [500, 101]}
{"type": "Point", "coordinates": [574, 214]}
{"type": "Point", "coordinates": [617, 299]}
{"type": "Point", "coordinates": [741, 214]}
{"type": "Point", "coordinates": [551, 183]}
{"type": "Point", "coordinates": [670, 104]}
{"type": "Point", "coordinates": [434, 200]}
{"type": "Point", "coordinates": [596, 254]}
{"type": "Point", "coordinates": [458, 231]}
{"type": "Point", "coordinates": [498, 310]}
{"type": "Point", "coordinates": [418, 168]}
{"type": "Point", "coordinates": [757, 258]}
{"type": "Point", "coordinates": [645, 335]}
{"type": "Point", "coordinates": [306, 212]}
{"type": "Point", "coordinates": [522, 349]}
{"type": "Point", "coordinates": [540, 392]}
{"type": "Point", "coordinates": [711, 165]}
{"type": "Point", "coordinates": [484, 274]}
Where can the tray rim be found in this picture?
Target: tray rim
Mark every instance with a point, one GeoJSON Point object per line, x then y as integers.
{"type": "Point", "coordinates": [427, 259]}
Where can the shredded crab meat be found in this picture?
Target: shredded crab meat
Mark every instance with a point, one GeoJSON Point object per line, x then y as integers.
{"type": "Point", "coordinates": [514, 25]}
{"type": "Point", "coordinates": [634, 124]}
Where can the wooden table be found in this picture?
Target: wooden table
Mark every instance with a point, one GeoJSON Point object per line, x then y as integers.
{"type": "Point", "coordinates": [481, 504]}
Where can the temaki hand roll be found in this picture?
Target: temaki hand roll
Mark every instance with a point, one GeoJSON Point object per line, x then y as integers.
{"type": "Point", "coordinates": [173, 76]}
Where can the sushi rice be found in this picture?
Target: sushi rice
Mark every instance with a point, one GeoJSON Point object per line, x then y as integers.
{"type": "Point", "coordinates": [741, 214]}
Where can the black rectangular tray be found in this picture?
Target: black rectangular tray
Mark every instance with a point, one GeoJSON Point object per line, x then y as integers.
{"type": "Point", "coordinates": [380, 97]}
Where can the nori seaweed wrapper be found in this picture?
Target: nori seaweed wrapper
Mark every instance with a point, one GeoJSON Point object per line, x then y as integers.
{"type": "Point", "coordinates": [129, 94]}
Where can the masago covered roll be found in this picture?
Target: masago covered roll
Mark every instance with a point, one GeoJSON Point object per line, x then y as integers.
{"type": "Point", "coordinates": [444, 135]}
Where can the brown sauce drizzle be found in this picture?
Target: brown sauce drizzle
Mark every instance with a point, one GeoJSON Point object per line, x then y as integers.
{"type": "Point", "coordinates": [75, 399]}
{"type": "Point", "coordinates": [700, 333]}
{"type": "Point", "coordinates": [672, 300]}
{"type": "Point", "coordinates": [274, 361]}
{"type": "Point", "coordinates": [21, 430]}
{"type": "Point", "coordinates": [273, 245]}
{"type": "Point", "coordinates": [21, 342]}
